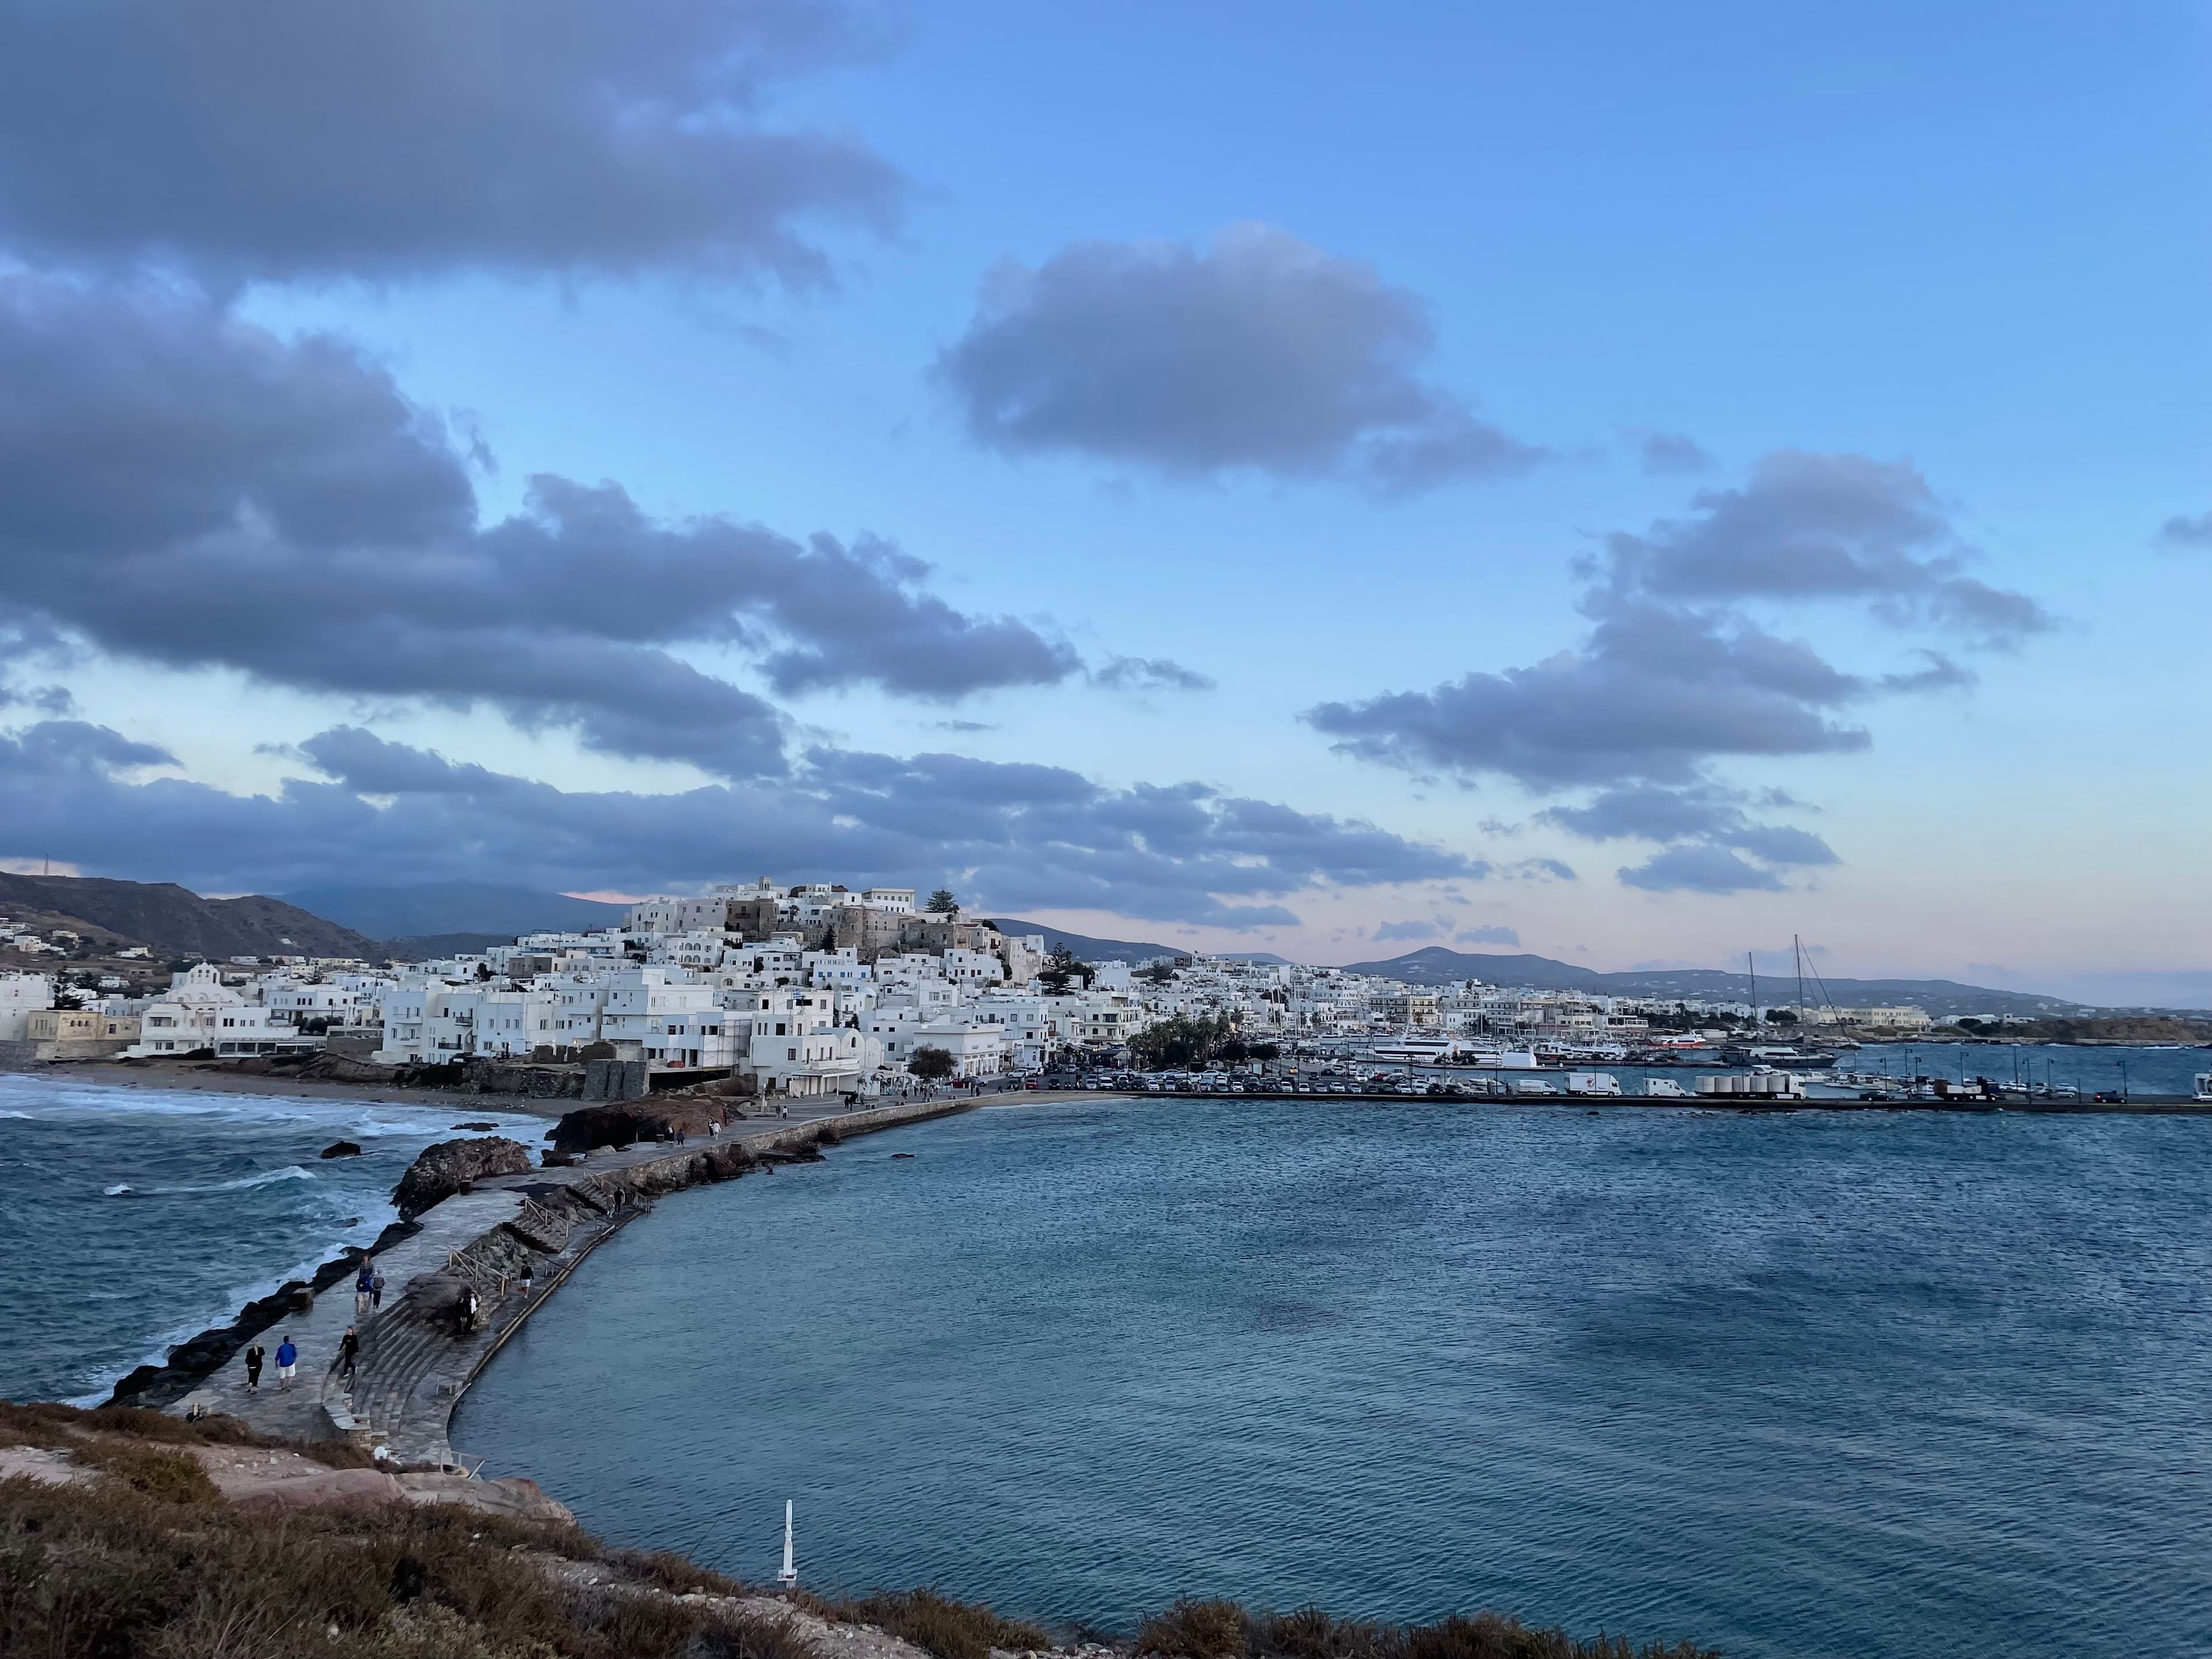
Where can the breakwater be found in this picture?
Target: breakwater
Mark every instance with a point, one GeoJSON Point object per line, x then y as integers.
{"type": "Point", "coordinates": [503, 1245]}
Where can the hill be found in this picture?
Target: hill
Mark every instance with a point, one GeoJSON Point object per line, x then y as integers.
{"type": "Point", "coordinates": [174, 922]}
{"type": "Point", "coordinates": [1086, 948]}
{"type": "Point", "coordinates": [430, 909]}
{"type": "Point", "coordinates": [1434, 965]}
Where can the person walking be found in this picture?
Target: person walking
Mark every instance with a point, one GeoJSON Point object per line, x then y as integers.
{"type": "Point", "coordinates": [375, 1291]}
{"type": "Point", "coordinates": [363, 1283]}
{"type": "Point", "coordinates": [529, 1278]}
{"type": "Point", "coordinates": [287, 1360]}
{"type": "Point", "coordinates": [254, 1355]}
{"type": "Point", "coordinates": [349, 1354]}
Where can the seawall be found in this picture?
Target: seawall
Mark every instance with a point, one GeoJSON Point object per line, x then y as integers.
{"type": "Point", "coordinates": [512, 1241]}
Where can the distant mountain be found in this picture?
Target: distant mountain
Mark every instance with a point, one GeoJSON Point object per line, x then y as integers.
{"type": "Point", "coordinates": [1434, 965]}
{"type": "Point", "coordinates": [1087, 949]}
{"type": "Point", "coordinates": [175, 921]}
{"type": "Point", "coordinates": [431, 908]}
{"type": "Point", "coordinates": [427, 947]}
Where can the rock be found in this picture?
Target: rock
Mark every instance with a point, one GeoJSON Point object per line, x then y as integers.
{"type": "Point", "coordinates": [47, 1468]}
{"type": "Point", "coordinates": [478, 1126]}
{"type": "Point", "coordinates": [450, 1166]}
{"type": "Point", "coordinates": [341, 1149]}
{"type": "Point", "coordinates": [513, 1496]}
{"type": "Point", "coordinates": [620, 1123]}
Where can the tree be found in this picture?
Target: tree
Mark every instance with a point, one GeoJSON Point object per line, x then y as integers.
{"type": "Point", "coordinates": [1159, 973]}
{"type": "Point", "coordinates": [942, 903]}
{"type": "Point", "coordinates": [931, 1064]}
{"type": "Point", "coordinates": [1059, 968]}
{"type": "Point", "coordinates": [1180, 1042]}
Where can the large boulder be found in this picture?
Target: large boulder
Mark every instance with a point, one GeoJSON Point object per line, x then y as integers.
{"type": "Point", "coordinates": [451, 1166]}
{"type": "Point", "coordinates": [620, 1123]}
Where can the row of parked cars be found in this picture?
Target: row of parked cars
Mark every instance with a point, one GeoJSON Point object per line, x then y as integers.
{"type": "Point", "coordinates": [1244, 1083]}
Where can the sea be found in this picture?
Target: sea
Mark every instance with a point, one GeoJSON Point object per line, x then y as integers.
{"type": "Point", "coordinates": [131, 1218]}
{"type": "Point", "coordinates": [1806, 1384]}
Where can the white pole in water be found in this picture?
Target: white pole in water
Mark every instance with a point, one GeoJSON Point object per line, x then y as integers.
{"type": "Point", "coordinates": [789, 1576]}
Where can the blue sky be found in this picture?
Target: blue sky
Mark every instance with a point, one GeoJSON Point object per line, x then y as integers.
{"type": "Point", "coordinates": [1586, 313]}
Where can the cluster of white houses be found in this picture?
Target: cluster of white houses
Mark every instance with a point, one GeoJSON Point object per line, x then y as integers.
{"type": "Point", "coordinates": [807, 990]}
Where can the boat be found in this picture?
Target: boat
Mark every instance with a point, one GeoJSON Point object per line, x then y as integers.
{"type": "Point", "coordinates": [2204, 1090]}
{"type": "Point", "coordinates": [1776, 1054]}
{"type": "Point", "coordinates": [1415, 1051]}
{"type": "Point", "coordinates": [1503, 1059]}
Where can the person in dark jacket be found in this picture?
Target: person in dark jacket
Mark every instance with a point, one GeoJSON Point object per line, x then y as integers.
{"type": "Point", "coordinates": [254, 1356]}
{"type": "Point", "coordinates": [349, 1354]}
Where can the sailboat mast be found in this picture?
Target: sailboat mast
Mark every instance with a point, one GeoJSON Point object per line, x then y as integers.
{"type": "Point", "coordinates": [1798, 949]}
{"type": "Point", "coordinates": [1751, 965]}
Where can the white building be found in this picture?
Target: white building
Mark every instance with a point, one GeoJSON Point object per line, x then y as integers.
{"type": "Point", "coordinates": [21, 994]}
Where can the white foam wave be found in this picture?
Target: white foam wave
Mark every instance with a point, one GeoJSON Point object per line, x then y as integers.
{"type": "Point", "coordinates": [117, 1189]}
{"type": "Point", "coordinates": [289, 1172]}
{"type": "Point", "coordinates": [26, 1116]}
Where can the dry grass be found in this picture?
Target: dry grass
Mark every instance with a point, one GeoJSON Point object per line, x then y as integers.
{"type": "Point", "coordinates": [48, 1424]}
{"type": "Point", "coordinates": [949, 1629]}
{"type": "Point", "coordinates": [115, 1570]}
{"type": "Point", "coordinates": [1224, 1630]}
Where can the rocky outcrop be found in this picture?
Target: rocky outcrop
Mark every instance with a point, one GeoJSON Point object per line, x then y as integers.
{"type": "Point", "coordinates": [451, 1166]}
{"type": "Point", "coordinates": [621, 1123]}
{"type": "Point", "coordinates": [340, 1149]}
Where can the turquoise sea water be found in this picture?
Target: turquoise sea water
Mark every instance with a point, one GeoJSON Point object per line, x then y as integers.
{"type": "Point", "coordinates": [1809, 1384]}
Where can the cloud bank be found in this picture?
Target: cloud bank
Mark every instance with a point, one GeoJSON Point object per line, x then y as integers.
{"type": "Point", "coordinates": [289, 139]}
{"type": "Point", "coordinates": [1676, 674]}
{"type": "Point", "coordinates": [180, 487]}
{"type": "Point", "coordinates": [1011, 835]}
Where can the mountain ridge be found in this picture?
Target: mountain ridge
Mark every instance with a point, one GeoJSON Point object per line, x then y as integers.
{"type": "Point", "coordinates": [1436, 964]}
{"type": "Point", "coordinates": [178, 922]}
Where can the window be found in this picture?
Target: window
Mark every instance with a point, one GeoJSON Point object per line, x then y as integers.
{"type": "Point", "coordinates": [791, 1054]}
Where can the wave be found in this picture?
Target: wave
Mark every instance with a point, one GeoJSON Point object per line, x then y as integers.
{"type": "Point", "coordinates": [117, 1189]}
{"type": "Point", "coordinates": [26, 1116]}
{"type": "Point", "coordinates": [289, 1172]}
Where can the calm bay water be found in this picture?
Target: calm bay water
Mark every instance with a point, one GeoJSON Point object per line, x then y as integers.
{"type": "Point", "coordinates": [1811, 1384]}
{"type": "Point", "coordinates": [130, 1218]}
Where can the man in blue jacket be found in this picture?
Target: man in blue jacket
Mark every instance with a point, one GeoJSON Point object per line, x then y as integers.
{"type": "Point", "coordinates": [287, 1358]}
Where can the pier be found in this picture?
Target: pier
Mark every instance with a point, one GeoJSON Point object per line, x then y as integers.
{"type": "Point", "coordinates": [416, 1361]}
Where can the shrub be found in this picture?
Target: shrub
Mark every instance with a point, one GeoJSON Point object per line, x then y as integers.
{"type": "Point", "coordinates": [949, 1629]}
{"type": "Point", "coordinates": [1194, 1630]}
{"type": "Point", "coordinates": [169, 1476]}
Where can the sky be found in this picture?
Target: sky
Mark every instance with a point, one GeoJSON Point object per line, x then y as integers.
{"type": "Point", "coordinates": [1635, 485]}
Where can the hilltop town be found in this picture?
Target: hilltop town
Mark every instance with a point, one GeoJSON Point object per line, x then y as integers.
{"type": "Point", "coordinates": [816, 990]}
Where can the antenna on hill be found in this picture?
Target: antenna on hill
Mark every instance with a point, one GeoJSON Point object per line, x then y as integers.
{"type": "Point", "coordinates": [787, 1577]}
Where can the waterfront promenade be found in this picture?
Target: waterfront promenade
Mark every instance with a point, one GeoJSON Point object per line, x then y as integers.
{"type": "Point", "coordinates": [415, 1362]}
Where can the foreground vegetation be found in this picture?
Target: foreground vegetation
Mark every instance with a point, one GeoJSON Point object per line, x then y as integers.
{"type": "Point", "coordinates": [144, 1557]}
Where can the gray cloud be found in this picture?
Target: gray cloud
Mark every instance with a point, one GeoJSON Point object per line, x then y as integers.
{"type": "Point", "coordinates": [1150, 674]}
{"type": "Point", "coordinates": [1390, 931]}
{"type": "Point", "coordinates": [2181, 533]}
{"type": "Point", "coordinates": [1676, 674]}
{"type": "Point", "coordinates": [1020, 835]}
{"type": "Point", "coordinates": [1695, 820]}
{"type": "Point", "coordinates": [1811, 527]}
{"type": "Point", "coordinates": [1258, 351]}
{"type": "Point", "coordinates": [1669, 454]}
{"type": "Point", "coordinates": [313, 138]}
{"type": "Point", "coordinates": [180, 487]}
{"type": "Point", "coordinates": [1699, 868]}
{"type": "Point", "coordinates": [1487, 936]}
{"type": "Point", "coordinates": [1652, 694]}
